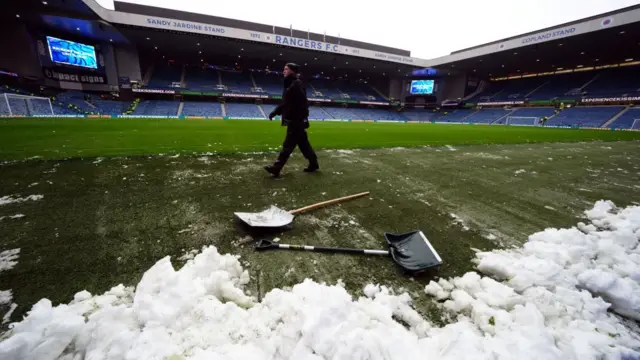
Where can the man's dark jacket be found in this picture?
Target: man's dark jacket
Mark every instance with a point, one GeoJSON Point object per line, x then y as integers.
{"type": "Point", "coordinates": [294, 108]}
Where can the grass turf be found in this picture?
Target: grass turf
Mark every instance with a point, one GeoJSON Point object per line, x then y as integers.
{"type": "Point", "coordinates": [56, 138]}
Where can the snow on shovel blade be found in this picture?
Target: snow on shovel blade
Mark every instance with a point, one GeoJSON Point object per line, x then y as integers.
{"type": "Point", "coordinates": [272, 217]}
{"type": "Point", "coordinates": [276, 217]}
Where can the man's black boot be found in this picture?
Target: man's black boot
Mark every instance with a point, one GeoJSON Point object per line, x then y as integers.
{"type": "Point", "coordinates": [273, 170]}
{"type": "Point", "coordinates": [311, 168]}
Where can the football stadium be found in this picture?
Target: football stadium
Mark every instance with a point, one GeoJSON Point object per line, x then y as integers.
{"type": "Point", "coordinates": [498, 198]}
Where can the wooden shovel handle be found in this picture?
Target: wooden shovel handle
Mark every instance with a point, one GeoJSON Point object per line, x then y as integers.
{"type": "Point", "coordinates": [328, 202]}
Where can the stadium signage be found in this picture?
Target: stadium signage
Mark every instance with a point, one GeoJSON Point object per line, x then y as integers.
{"type": "Point", "coordinates": [611, 99]}
{"type": "Point", "coordinates": [185, 25]}
{"type": "Point", "coordinates": [501, 103]}
{"type": "Point", "coordinates": [154, 91]}
{"type": "Point", "coordinates": [319, 99]}
{"type": "Point", "coordinates": [242, 34]}
{"type": "Point", "coordinates": [251, 96]}
{"type": "Point", "coordinates": [306, 44]}
{"type": "Point", "coordinates": [373, 103]}
{"type": "Point", "coordinates": [549, 35]}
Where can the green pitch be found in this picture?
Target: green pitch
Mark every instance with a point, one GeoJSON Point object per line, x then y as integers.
{"type": "Point", "coordinates": [53, 138]}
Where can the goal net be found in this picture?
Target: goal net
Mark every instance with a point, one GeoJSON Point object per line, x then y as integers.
{"type": "Point", "coordinates": [636, 124]}
{"type": "Point", "coordinates": [23, 105]}
{"type": "Point", "coordinates": [522, 120]}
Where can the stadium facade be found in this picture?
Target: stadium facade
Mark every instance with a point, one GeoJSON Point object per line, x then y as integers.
{"type": "Point", "coordinates": [148, 61]}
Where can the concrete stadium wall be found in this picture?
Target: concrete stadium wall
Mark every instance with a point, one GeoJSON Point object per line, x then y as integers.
{"type": "Point", "coordinates": [128, 62]}
{"type": "Point", "coordinates": [453, 87]}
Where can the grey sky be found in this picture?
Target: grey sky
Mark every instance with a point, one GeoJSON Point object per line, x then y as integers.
{"type": "Point", "coordinates": [427, 28]}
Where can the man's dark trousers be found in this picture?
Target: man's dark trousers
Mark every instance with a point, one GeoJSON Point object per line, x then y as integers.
{"type": "Point", "coordinates": [296, 136]}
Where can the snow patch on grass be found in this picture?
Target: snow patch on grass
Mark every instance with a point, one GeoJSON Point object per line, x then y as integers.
{"type": "Point", "coordinates": [17, 216]}
{"type": "Point", "coordinates": [8, 259]}
{"type": "Point", "coordinates": [10, 199]}
{"type": "Point", "coordinates": [458, 220]}
{"type": "Point", "coordinates": [450, 148]}
{"type": "Point", "coordinates": [520, 171]}
{"type": "Point", "coordinates": [542, 303]}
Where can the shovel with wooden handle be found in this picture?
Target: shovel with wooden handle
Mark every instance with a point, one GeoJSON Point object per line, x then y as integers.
{"type": "Point", "coordinates": [276, 217]}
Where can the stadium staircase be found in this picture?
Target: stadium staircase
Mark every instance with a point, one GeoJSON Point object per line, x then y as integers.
{"type": "Point", "coordinates": [180, 108]}
{"type": "Point", "coordinates": [499, 121]}
{"type": "Point", "coordinates": [481, 88]}
{"type": "Point", "coordinates": [219, 79]}
{"type": "Point", "coordinates": [147, 76]}
{"type": "Point", "coordinates": [253, 81]}
{"type": "Point", "coordinates": [182, 76]}
{"type": "Point", "coordinates": [260, 107]}
{"type": "Point", "coordinates": [328, 116]}
{"type": "Point", "coordinates": [224, 108]}
{"type": "Point", "coordinates": [590, 81]}
{"type": "Point", "coordinates": [536, 89]}
{"type": "Point", "coordinates": [614, 118]}
{"type": "Point", "coordinates": [380, 93]}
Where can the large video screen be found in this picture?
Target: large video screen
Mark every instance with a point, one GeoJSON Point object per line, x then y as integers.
{"type": "Point", "coordinates": [421, 87]}
{"type": "Point", "coordinates": [72, 53]}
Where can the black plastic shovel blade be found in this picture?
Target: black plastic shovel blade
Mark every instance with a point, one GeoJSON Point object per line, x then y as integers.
{"type": "Point", "coordinates": [412, 251]}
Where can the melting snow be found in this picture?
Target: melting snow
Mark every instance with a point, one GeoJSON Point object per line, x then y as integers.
{"type": "Point", "coordinates": [520, 171]}
{"type": "Point", "coordinates": [8, 259]}
{"type": "Point", "coordinates": [9, 199]}
{"type": "Point", "coordinates": [547, 300]}
{"type": "Point", "coordinates": [451, 148]}
{"type": "Point", "coordinates": [458, 220]}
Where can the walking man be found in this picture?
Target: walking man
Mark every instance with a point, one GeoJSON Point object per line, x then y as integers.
{"type": "Point", "coordinates": [294, 110]}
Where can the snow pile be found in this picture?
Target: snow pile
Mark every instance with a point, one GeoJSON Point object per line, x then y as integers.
{"type": "Point", "coordinates": [8, 259]}
{"type": "Point", "coordinates": [16, 216]}
{"type": "Point", "coordinates": [542, 310]}
{"type": "Point", "coordinates": [9, 199]}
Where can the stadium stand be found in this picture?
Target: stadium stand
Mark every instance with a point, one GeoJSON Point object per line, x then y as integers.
{"type": "Point", "coordinates": [198, 79]}
{"type": "Point", "coordinates": [421, 115]}
{"type": "Point", "coordinates": [165, 74]}
{"type": "Point", "coordinates": [517, 90]}
{"type": "Point", "coordinates": [318, 113]}
{"type": "Point", "coordinates": [236, 82]}
{"type": "Point", "coordinates": [241, 110]}
{"type": "Point", "coordinates": [615, 82]}
{"type": "Point", "coordinates": [456, 115]}
{"type": "Point", "coordinates": [323, 88]}
{"type": "Point", "coordinates": [487, 116]}
{"type": "Point", "coordinates": [196, 108]}
{"type": "Point", "coordinates": [522, 116]}
{"type": "Point", "coordinates": [626, 120]}
{"type": "Point", "coordinates": [157, 108]}
{"type": "Point", "coordinates": [585, 116]}
{"type": "Point", "coordinates": [109, 107]}
{"type": "Point", "coordinates": [269, 82]}
{"type": "Point", "coordinates": [565, 86]}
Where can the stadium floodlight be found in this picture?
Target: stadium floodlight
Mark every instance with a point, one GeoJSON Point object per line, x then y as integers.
{"type": "Point", "coordinates": [522, 121]}
{"type": "Point", "coordinates": [636, 124]}
{"type": "Point", "coordinates": [23, 105]}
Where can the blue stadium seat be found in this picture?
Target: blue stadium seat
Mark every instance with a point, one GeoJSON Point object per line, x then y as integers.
{"type": "Point", "coordinates": [487, 116]}
{"type": "Point", "coordinates": [164, 75]}
{"type": "Point", "coordinates": [626, 120]}
{"type": "Point", "coordinates": [521, 116]}
{"type": "Point", "coordinates": [456, 115]}
{"type": "Point", "coordinates": [421, 115]}
{"type": "Point", "coordinates": [198, 79]}
{"type": "Point", "coordinates": [196, 108]}
{"type": "Point", "coordinates": [241, 110]}
{"type": "Point", "coordinates": [587, 116]}
{"type": "Point", "coordinates": [157, 108]}
{"type": "Point", "coordinates": [237, 82]}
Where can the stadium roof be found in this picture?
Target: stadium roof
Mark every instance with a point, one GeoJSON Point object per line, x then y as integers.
{"type": "Point", "coordinates": [612, 37]}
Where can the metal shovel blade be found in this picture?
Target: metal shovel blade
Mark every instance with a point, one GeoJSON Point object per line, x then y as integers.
{"type": "Point", "coordinates": [412, 251]}
{"type": "Point", "coordinates": [272, 217]}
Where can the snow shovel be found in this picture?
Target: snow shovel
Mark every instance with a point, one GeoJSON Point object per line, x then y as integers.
{"type": "Point", "coordinates": [276, 217]}
{"type": "Point", "coordinates": [411, 251]}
